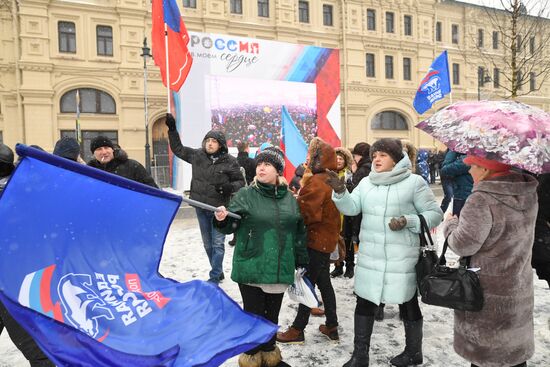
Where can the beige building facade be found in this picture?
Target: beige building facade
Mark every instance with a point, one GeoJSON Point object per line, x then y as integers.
{"type": "Point", "coordinates": [51, 48]}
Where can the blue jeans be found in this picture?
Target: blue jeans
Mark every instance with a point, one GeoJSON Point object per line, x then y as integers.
{"type": "Point", "coordinates": [213, 243]}
{"type": "Point", "coordinates": [447, 184]}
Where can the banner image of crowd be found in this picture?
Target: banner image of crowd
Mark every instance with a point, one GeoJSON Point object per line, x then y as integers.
{"type": "Point", "coordinates": [240, 85]}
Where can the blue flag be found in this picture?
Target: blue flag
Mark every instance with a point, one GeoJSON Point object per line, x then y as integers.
{"type": "Point", "coordinates": [79, 271]}
{"type": "Point", "coordinates": [292, 144]}
{"type": "Point", "coordinates": [434, 86]}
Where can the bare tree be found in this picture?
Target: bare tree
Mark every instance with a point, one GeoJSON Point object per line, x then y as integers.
{"type": "Point", "coordinates": [522, 54]}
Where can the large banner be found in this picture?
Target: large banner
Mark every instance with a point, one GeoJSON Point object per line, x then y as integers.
{"type": "Point", "coordinates": [239, 85]}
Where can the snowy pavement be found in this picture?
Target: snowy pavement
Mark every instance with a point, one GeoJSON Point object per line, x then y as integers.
{"type": "Point", "coordinates": [184, 259]}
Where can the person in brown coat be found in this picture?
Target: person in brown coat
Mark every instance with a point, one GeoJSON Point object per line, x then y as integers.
{"type": "Point", "coordinates": [496, 228]}
{"type": "Point", "coordinates": [322, 221]}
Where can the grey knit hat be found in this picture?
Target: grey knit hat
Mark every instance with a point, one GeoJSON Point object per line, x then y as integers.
{"type": "Point", "coordinates": [273, 156]}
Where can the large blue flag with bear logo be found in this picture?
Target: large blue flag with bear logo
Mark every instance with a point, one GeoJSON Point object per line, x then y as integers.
{"type": "Point", "coordinates": [434, 86]}
{"type": "Point", "coordinates": [80, 251]}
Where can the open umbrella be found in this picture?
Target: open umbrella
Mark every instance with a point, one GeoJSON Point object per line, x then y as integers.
{"type": "Point", "coordinates": [507, 131]}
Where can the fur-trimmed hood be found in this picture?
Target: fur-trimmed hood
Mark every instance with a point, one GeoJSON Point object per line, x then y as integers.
{"type": "Point", "coordinates": [346, 154]}
{"type": "Point", "coordinates": [322, 156]}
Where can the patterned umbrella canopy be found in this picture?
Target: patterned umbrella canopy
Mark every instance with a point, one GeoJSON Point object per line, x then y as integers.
{"type": "Point", "coordinates": [507, 131]}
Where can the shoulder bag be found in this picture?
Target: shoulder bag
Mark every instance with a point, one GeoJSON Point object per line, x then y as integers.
{"type": "Point", "coordinates": [428, 255]}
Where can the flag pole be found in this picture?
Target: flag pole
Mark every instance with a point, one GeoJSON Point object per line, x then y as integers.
{"type": "Point", "coordinates": [77, 133]}
{"type": "Point", "coordinates": [167, 68]}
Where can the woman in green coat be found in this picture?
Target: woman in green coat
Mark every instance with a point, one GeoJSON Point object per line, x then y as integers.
{"type": "Point", "coordinates": [271, 243]}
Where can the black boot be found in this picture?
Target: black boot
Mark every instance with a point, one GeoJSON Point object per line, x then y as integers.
{"type": "Point", "coordinates": [379, 313]}
{"type": "Point", "coordinates": [349, 271]}
{"type": "Point", "coordinates": [361, 341]}
{"type": "Point", "coordinates": [338, 270]}
{"type": "Point", "coordinates": [412, 355]}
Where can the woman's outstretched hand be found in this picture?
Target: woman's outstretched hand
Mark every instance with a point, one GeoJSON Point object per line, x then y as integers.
{"type": "Point", "coordinates": [337, 183]}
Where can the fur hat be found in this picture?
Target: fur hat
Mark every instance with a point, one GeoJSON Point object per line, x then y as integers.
{"type": "Point", "coordinates": [361, 149]}
{"type": "Point", "coordinates": [67, 147]}
{"type": "Point", "coordinates": [273, 156]}
{"type": "Point", "coordinates": [346, 155]}
{"type": "Point", "coordinates": [390, 146]}
{"type": "Point", "coordinates": [101, 141]}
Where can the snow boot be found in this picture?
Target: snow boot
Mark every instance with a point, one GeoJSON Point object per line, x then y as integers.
{"type": "Point", "coordinates": [349, 271]}
{"type": "Point", "coordinates": [361, 341]}
{"type": "Point", "coordinates": [412, 355]}
{"type": "Point", "coordinates": [379, 313]}
{"type": "Point", "coordinates": [331, 333]}
{"type": "Point", "coordinates": [250, 360]}
{"type": "Point", "coordinates": [273, 359]}
{"type": "Point", "coordinates": [338, 271]}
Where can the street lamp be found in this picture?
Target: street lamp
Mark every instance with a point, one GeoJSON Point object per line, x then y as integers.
{"type": "Point", "coordinates": [482, 78]}
{"type": "Point", "coordinates": [145, 54]}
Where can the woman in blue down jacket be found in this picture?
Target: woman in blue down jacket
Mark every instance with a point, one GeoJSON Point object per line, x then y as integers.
{"type": "Point", "coordinates": [390, 200]}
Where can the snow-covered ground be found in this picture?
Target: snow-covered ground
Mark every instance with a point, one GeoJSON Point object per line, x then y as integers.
{"type": "Point", "coordinates": [184, 259]}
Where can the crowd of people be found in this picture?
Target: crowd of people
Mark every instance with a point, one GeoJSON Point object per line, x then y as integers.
{"type": "Point", "coordinates": [256, 124]}
{"type": "Point", "coordinates": [362, 204]}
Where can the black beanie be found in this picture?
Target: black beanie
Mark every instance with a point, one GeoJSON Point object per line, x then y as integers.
{"type": "Point", "coordinates": [101, 141]}
{"type": "Point", "coordinates": [393, 147]}
{"type": "Point", "coordinates": [67, 147]}
{"type": "Point", "coordinates": [273, 156]}
{"type": "Point", "coordinates": [361, 149]}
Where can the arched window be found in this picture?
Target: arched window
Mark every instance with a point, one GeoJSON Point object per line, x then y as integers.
{"type": "Point", "coordinates": [389, 120]}
{"type": "Point", "coordinates": [91, 101]}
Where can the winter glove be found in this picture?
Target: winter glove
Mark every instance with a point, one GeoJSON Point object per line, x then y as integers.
{"type": "Point", "coordinates": [397, 224]}
{"type": "Point", "coordinates": [337, 183]}
{"type": "Point", "coordinates": [170, 122]}
{"type": "Point", "coordinates": [224, 189]}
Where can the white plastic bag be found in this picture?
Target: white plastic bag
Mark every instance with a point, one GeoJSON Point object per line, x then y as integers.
{"type": "Point", "coordinates": [335, 255]}
{"type": "Point", "coordinates": [302, 290]}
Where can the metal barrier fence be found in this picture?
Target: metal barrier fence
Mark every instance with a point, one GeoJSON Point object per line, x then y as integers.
{"type": "Point", "coordinates": [160, 170]}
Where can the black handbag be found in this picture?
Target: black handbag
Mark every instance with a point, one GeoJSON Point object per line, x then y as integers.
{"type": "Point", "coordinates": [428, 256]}
{"type": "Point", "coordinates": [456, 288]}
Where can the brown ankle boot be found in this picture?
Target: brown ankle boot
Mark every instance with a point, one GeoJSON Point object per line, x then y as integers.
{"type": "Point", "coordinates": [250, 360]}
{"type": "Point", "coordinates": [331, 333]}
{"type": "Point", "coordinates": [291, 336]}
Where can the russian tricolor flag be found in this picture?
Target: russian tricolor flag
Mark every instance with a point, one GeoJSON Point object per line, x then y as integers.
{"type": "Point", "coordinates": [292, 144]}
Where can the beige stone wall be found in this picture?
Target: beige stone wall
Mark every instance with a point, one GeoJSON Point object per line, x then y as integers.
{"type": "Point", "coordinates": [34, 75]}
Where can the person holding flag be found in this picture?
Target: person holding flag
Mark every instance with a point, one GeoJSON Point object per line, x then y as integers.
{"type": "Point", "coordinates": [434, 86]}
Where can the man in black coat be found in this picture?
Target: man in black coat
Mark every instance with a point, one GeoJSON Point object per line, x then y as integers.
{"type": "Point", "coordinates": [22, 340]}
{"type": "Point", "coordinates": [246, 162]}
{"type": "Point", "coordinates": [116, 161]}
{"type": "Point", "coordinates": [215, 176]}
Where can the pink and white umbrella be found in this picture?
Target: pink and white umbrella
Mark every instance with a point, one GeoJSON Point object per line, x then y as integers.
{"type": "Point", "coordinates": [507, 131]}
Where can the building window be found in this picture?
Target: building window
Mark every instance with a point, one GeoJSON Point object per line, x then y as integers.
{"type": "Point", "coordinates": [532, 82]}
{"type": "Point", "coordinates": [67, 37]}
{"type": "Point", "coordinates": [438, 35]}
{"type": "Point", "coordinates": [190, 4]}
{"type": "Point", "coordinates": [91, 101]}
{"type": "Point", "coordinates": [303, 11]}
{"type": "Point", "coordinates": [370, 66]}
{"type": "Point", "coordinates": [87, 137]}
{"type": "Point", "coordinates": [456, 74]}
{"type": "Point", "coordinates": [236, 6]}
{"type": "Point", "coordinates": [407, 68]}
{"type": "Point", "coordinates": [371, 19]}
{"type": "Point", "coordinates": [495, 40]}
{"type": "Point", "coordinates": [389, 67]}
{"type": "Point", "coordinates": [481, 75]}
{"type": "Point", "coordinates": [520, 80]}
{"type": "Point", "coordinates": [532, 45]}
{"type": "Point", "coordinates": [327, 15]}
{"type": "Point", "coordinates": [104, 35]}
{"type": "Point", "coordinates": [389, 120]}
{"type": "Point", "coordinates": [519, 43]}
{"type": "Point", "coordinates": [389, 22]}
{"type": "Point", "coordinates": [263, 8]}
{"type": "Point", "coordinates": [480, 38]}
{"type": "Point", "coordinates": [496, 78]}
{"type": "Point", "coordinates": [454, 33]}
{"type": "Point", "coordinates": [407, 25]}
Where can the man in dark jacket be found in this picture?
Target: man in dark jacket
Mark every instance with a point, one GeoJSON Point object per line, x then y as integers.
{"type": "Point", "coordinates": [116, 161]}
{"type": "Point", "coordinates": [215, 176]}
{"type": "Point", "coordinates": [22, 340]}
{"type": "Point", "coordinates": [454, 167]}
{"type": "Point", "coordinates": [246, 162]}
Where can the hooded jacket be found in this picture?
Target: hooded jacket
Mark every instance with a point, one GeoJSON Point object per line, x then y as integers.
{"type": "Point", "coordinates": [496, 228]}
{"type": "Point", "coordinates": [385, 271]}
{"type": "Point", "coordinates": [209, 170]}
{"type": "Point", "coordinates": [453, 167]}
{"type": "Point", "coordinates": [321, 217]}
{"type": "Point", "coordinates": [125, 167]}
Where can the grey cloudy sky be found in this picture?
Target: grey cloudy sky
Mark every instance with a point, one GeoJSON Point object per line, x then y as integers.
{"type": "Point", "coordinates": [536, 5]}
